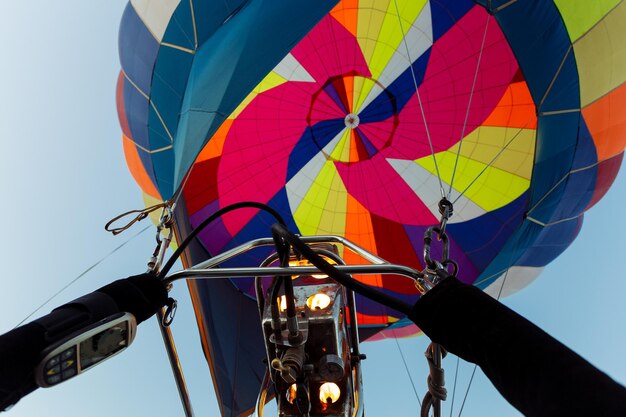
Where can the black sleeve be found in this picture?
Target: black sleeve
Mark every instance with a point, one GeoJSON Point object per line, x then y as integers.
{"type": "Point", "coordinates": [536, 373]}
{"type": "Point", "coordinates": [20, 349]}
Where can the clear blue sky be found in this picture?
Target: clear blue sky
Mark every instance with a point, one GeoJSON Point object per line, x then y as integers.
{"type": "Point", "coordinates": [63, 176]}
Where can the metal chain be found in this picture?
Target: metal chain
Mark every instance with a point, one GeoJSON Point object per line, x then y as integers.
{"type": "Point", "coordinates": [435, 271]}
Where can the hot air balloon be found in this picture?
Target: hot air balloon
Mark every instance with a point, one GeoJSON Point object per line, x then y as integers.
{"type": "Point", "coordinates": [356, 119]}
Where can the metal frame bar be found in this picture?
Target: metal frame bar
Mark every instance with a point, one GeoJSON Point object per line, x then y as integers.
{"type": "Point", "coordinates": [358, 389]}
{"type": "Point", "coordinates": [260, 401]}
{"type": "Point", "coordinates": [208, 270]}
{"type": "Point", "coordinates": [177, 370]}
{"type": "Point", "coordinates": [368, 269]}
{"type": "Point", "coordinates": [257, 243]}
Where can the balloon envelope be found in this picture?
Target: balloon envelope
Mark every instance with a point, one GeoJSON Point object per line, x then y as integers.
{"type": "Point", "coordinates": [354, 119]}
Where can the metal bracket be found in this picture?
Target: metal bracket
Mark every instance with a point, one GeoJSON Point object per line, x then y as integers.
{"type": "Point", "coordinates": [303, 327]}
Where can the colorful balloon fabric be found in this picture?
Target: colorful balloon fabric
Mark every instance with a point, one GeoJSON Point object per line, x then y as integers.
{"type": "Point", "coordinates": [355, 118]}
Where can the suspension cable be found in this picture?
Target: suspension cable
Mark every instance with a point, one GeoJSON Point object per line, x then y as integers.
{"type": "Point", "coordinates": [469, 105]}
{"type": "Point", "coordinates": [456, 375]}
{"type": "Point", "coordinates": [406, 367]}
{"type": "Point", "coordinates": [82, 274]}
{"type": "Point", "coordinates": [468, 388]}
{"type": "Point", "coordinates": [493, 160]}
{"type": "Point", "coordinates": [179, 191]}
{"type": "Point", "coordinates": [419, 99]}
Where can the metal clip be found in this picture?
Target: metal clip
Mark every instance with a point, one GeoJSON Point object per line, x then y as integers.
{"type": "Point", "coordinates": [445, 209]}
{"type": "Point", "coordinates": [165, 222]}
{"type": "Point", "coordinates": [170, 312]}
{"type": "Point", "coordinates": [167, 218]}
{"type": "Point", "coordinates": [428, 238]}
{"type": "Point", "coordinates": [436, 270]}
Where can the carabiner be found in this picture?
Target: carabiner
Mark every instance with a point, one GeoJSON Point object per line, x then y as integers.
{"type": "Point", "coordinates": [170, 312]}
{"type": "Point", "coordinates": [428, 238]}
{"type": "Point", "coordinates": [166, 222]}
{"type": "Point", "coordinates": [445, 209]}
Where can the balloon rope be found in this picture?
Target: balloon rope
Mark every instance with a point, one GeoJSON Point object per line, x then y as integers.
{"type": "Point", "coordinates": [141, 214]}
{"type": "Point", "coordinates": [500, 152]}
{"type": "Point", "coordinates": [506, 274]}
{"type": "Point", "coordinates": [82, 274]}
{"type": "Point", "coordinates": [456, 374]}
{"type": "Point", "coordinates": [406, 367]}
{"type": "Point", "coordinates": [469, 105]}
{"type": "Point", "coordinates": [468, 388]}
{"type": "Point", "coordinates": [179, 192]}
{"type": "Point", "coordinates": [419, 100]}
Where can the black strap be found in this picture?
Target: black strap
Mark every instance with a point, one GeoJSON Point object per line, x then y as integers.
{"type": "Point", "coordinates": [536, 373]}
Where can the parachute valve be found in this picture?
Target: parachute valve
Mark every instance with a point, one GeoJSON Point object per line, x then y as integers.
{"type": "Point", "coordinates": [291, 364]}
{"type": "Point", "coordinates": [287, 374]}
